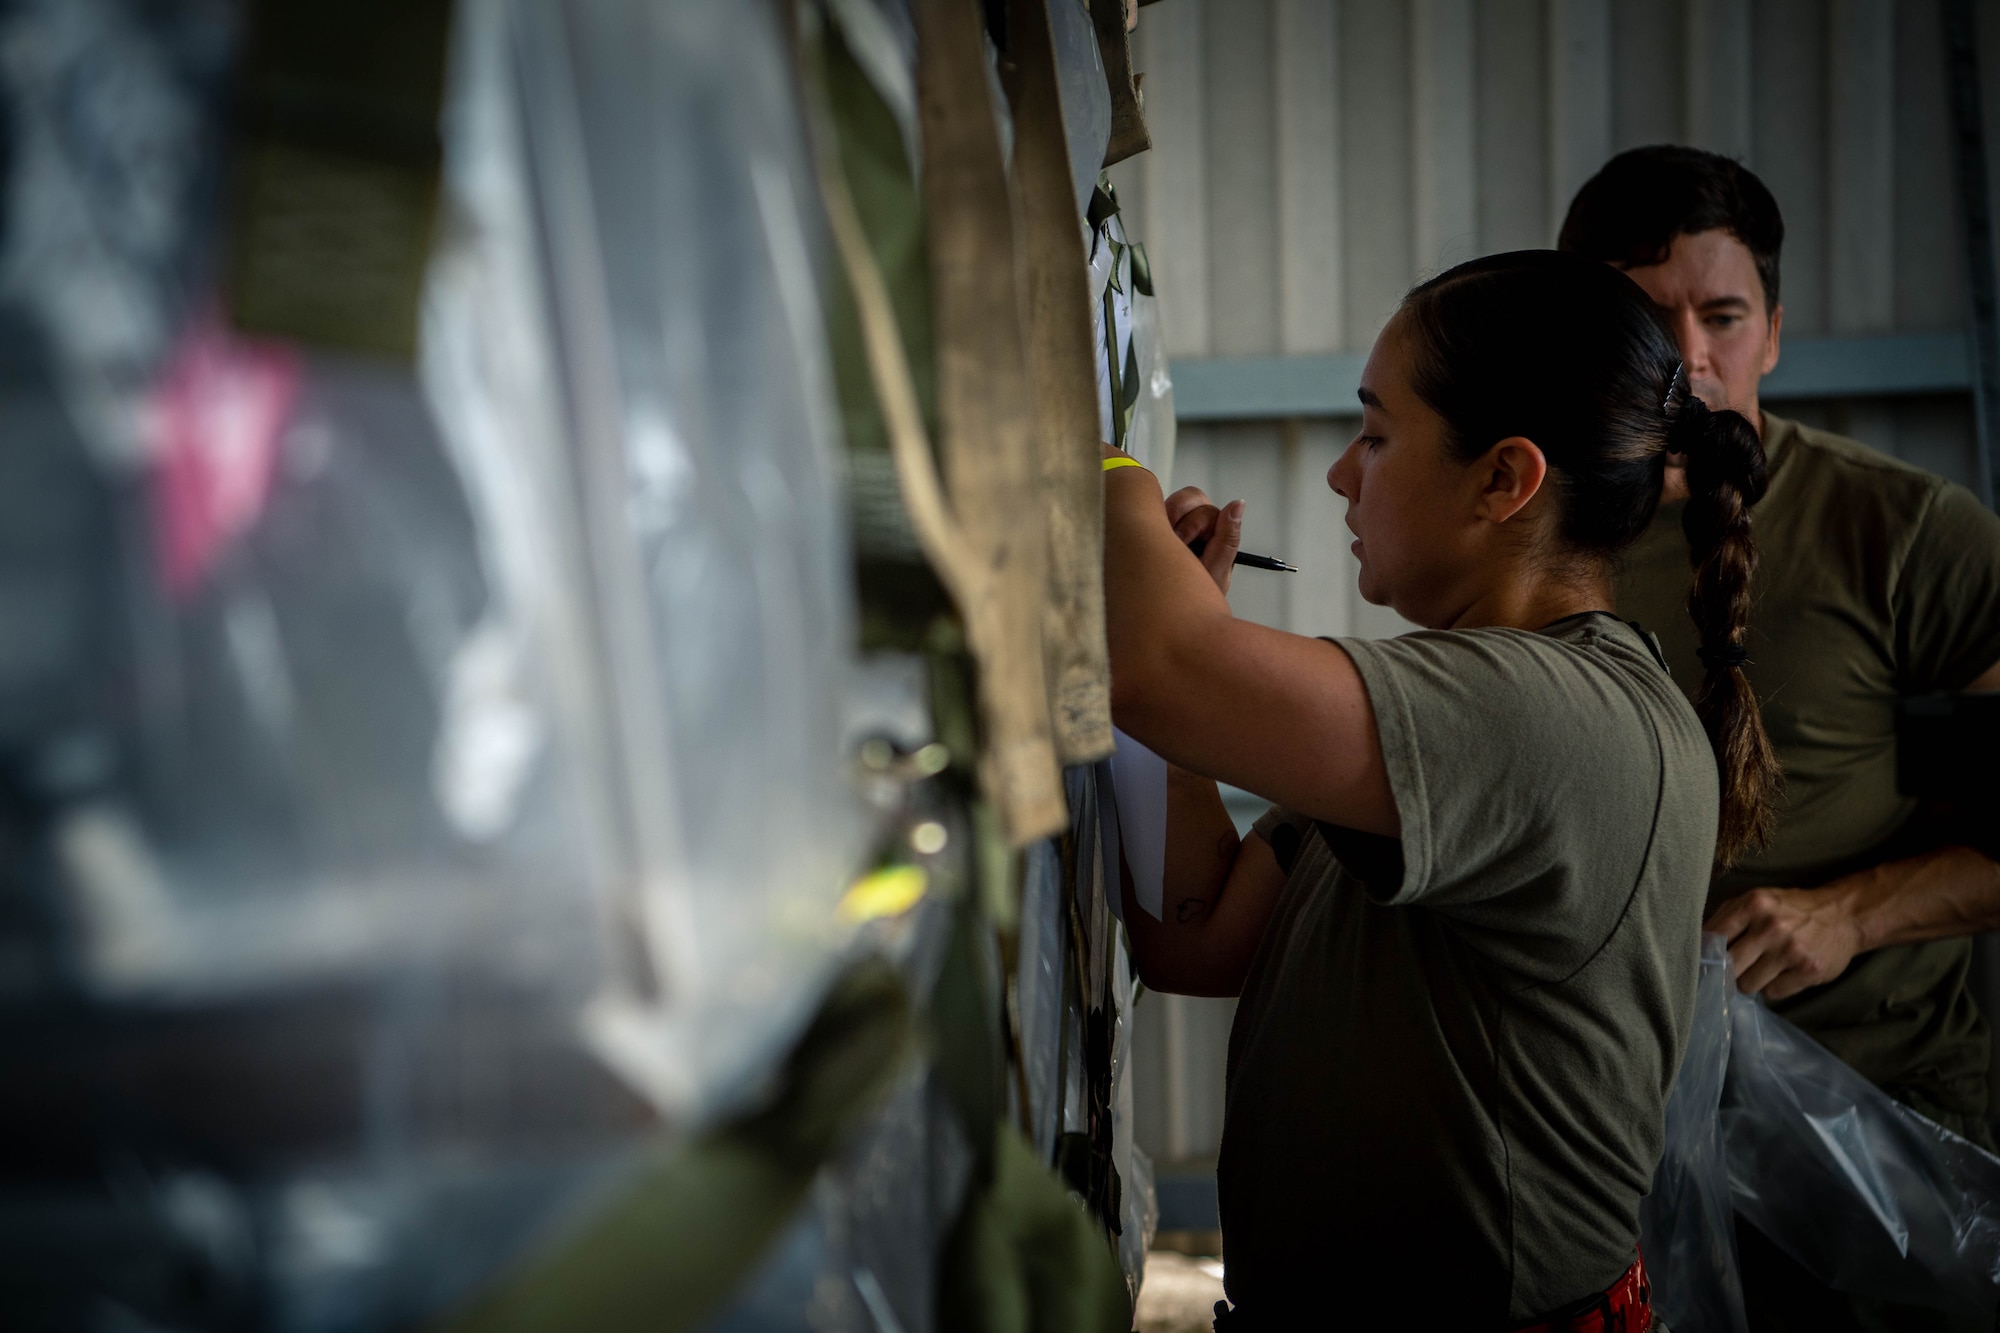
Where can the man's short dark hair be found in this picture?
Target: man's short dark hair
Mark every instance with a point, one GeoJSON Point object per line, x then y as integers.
{"type": "Point", "coordinates": [1629, 213]}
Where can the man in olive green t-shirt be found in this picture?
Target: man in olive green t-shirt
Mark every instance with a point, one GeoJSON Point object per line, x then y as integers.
{"type": "Point", "coordinates": [1877, 581]}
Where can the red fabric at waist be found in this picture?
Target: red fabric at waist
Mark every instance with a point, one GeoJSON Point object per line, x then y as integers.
{"type": "Point", "coordinates": [1626, 1307]}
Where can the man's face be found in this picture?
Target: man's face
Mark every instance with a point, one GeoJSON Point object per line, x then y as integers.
{"type": "Point", "coordinates": [1707, 288]}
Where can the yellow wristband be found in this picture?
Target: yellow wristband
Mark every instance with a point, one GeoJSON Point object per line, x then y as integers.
{"type": "Point", "coordinates": [1110, 463]}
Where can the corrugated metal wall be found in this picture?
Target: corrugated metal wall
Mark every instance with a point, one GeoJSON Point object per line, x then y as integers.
{"type": "Point", "coordinates": [1314, 158]}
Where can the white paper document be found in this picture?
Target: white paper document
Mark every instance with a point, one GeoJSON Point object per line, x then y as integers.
{"type": "Point", "coordinates": [1139, 829]}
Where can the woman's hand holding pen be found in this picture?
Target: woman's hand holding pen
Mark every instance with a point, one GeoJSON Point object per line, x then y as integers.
{"type": "Point", "coordinates": [1232, 699]}
{"type": "Point", "coordinates": [1214, 533]}
{"type": "Point", "coordinates": [1196, 518]}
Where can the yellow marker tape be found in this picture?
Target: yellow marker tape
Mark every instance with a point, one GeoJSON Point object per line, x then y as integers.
{"type": "Point", "coordinates": [1110, 463]}
{"type": "Point", "coordinates": [890, 891]}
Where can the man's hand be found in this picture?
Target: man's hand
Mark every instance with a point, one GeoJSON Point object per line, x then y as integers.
{"type": "Point", "coordinates": [1196, 517]}
{"type": "Point", "coordinates": [1784, 940]}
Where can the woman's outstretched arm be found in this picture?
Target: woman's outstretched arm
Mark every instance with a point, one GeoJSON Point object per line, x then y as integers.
{"type": "Point", "coordinates": [1277, 714]}
{"type": "Point", "coordinates": [1219, 894]}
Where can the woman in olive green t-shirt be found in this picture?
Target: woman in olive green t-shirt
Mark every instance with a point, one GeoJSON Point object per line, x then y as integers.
{"type": "Point", "coordinates": [1467, 940]}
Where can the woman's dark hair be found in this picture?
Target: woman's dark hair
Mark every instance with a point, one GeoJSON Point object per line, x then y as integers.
{"type": "Point", "coordinates": [1569, 353]}
{"type": "Point", "coordinates": [1629, 212]}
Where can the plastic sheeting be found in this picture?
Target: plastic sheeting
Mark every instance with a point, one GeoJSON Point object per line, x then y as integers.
{"type": "Point", "coordinates": [478, 799]}
{"type": "Point", "coordinates": [435, 707]}
{"type": "Point", "coordinates": [1139, 1206]}
{"type": "Point", "coordinates": [667, 160]}
{"type": "Point", "coordinates": [1042, 994]}
{"type": "Point", "coordinates": [1120, 284]}
{"type": "Point", "coordinates": [1685, 1225]}
{"type": "Point", "coordinates": [361, 594]}
{"type": "Point", "coordinates": [1151, 436]}
{"type": "Point", "coordinates": [113, 114]}
{"type": "Point", "coordinates": [1870, 1197]}
{"type": "Point", "coordinates": [1086, 94]}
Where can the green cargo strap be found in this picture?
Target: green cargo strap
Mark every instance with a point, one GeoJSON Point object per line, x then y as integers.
{"type": "Point", "coordinates": [1025, 1257]}
{"type": "Point", "coordinates": [337, 166]}
{"type": "Point", "coordinates": [677, 1242]}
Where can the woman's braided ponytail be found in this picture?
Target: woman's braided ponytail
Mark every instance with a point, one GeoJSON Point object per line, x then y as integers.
{"type": "Point", "coordinates": [1485, 335]}
{"type": "Point", "coordinates": [1725, 476]}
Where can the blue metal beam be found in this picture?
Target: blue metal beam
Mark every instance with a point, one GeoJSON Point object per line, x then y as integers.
{"type": "Point", "coordinates": [1262, 387]}
{"type": "Point", "coordinates": [1267, 387]}
{"type": "Point", "coordinates": [1187, 1202]}
{"type": "Point", "coordinates": [1886, 367]}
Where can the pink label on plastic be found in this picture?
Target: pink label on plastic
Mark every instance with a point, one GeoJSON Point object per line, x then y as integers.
{"type": "Point", "coordinates": [213, 422]}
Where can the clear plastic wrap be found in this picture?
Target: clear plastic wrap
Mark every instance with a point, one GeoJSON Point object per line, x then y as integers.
{"type": "Point", "coordinates": [113, 117]}
{"type": "Point", "coordinates": [1872, 1198]}
{"type": "Point", "coordinates": [1085, 93]}
{"type": "Point", "coordinates": [1139, 1206]}
{"type": "Point", "coordinates": [1686, 1228]}
{"type": "Point", "coordinates": [433, 708]}
{"type": "Point", "coordinates": [1039, 990]}
{"type": "Point", "coordinates": [311, 625]}
{"type": "Point", "coordinates": [1142, 418]}
{"type": "Point", "coordinates": [1110, 291]}
{"type": "Point", "coordinates": [1152, 429]}
{"type": "Point", "coordinates": [321, 875]}
{"type": "Point", "coordinates": [670, 172]}
{"type": "Point", "coordinates": [388, 606]}
{"type": "Point", "coordinates": [1869, 1196]}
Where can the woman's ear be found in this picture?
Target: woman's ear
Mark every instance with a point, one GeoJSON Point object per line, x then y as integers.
{"type": "Point", "coordinates": [1513, 471]}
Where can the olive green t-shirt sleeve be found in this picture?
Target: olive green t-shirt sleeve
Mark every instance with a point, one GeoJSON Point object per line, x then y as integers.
{"type": "Point", "coordinates": [1285, 831]}
{"type": "Point", "coordinates": [1946, 601]}
{"type": "Point", "coordinates": [1271, 820]}
{"type": "Point", "coordinates": [1523, 776]}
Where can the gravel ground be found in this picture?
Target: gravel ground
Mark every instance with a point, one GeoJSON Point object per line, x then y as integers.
{"type": "Point", "coordinates": [1179, 1293]}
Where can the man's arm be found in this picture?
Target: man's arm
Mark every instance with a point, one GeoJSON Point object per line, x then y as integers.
{"type": "Point", "coordinates": [1785, 940]}
{"type": "Point", "coordinates": [1219, 894]}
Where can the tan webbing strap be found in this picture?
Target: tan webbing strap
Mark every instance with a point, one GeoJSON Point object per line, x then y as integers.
{"type": "Point", "coordinates": [1062, 358]}
{"type": "Point", "coordinates": [986, 409]}
{"type": "Point", "coordinates": [1035, 805]}
{"type": "Point", "coordinates": [1129, 135]}
{"type": "Point", "coordinates": [983, 529]}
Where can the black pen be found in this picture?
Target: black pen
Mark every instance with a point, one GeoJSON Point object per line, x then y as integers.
{"type": "Point", "coordinates": [1200, 544]}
